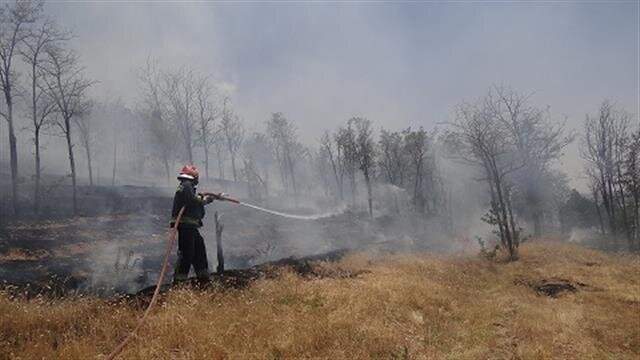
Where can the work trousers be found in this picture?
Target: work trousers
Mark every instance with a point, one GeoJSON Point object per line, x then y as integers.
{"type": "Point", "coordinates": [191, 252]}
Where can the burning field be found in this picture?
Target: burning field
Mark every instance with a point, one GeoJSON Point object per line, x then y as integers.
{"type": "Point", "coordinates": [558, 301]}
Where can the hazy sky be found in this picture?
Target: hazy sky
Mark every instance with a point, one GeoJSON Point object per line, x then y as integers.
{"type": "Point", "coordinates": [398, 64]}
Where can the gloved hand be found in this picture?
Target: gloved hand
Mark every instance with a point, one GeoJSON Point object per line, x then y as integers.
{"type": "Point", "coordinates": [207, 199]}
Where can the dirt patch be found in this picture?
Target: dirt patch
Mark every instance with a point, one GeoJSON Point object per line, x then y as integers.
{"type": "Point", "coordinates": [552, 287]}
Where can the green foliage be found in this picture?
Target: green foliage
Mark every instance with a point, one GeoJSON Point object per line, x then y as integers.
{"type": "Point", "coordinates": [484, 252]}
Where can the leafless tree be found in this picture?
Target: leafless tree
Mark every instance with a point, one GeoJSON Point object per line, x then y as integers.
{"type": "Point", "coordinates": [598, 150]}
{"type": "Point", "coordinates": [256, 183]}
{"type": "Point", "coordinates": [33, 50]}
{"type": "Point", "coordinates": [608, 149]}
{"type": "Point", "coordinates": [539, 141]}
{"type": "Point", "coordinates": [284, 142]}
{"type": "Point", "coordinates": [334, 156]}
{"type": "Point", "coordinates": [66, 84]}
{"type": "Point", "coordinates": [392, 160]}
{"type": "Point", "coordinates": [631, 182]}
{"type": "Point", "coordinates": [322, 170]}
{"type": "Point", "coordinates": [415, 147]}
{"type": "Point", "coordinates": [219, 144]}
{"type": "Point", "coordinates": [179, 91]}
{"type": "Point", "coordinates": [15, 18]}
{"type": "Point", "coordinates": [84, 122]}
{"type": "Point", "coordinates": [366, 153]}
{"type": "Point", "coordinates": [257, 160]}
{"type": "Point", "coordinates": [345, 139]}
{"type": "Point", "coordinates": [161, 129]}
{"type": "Point", "coordinates": [481, 139]}
{"type": "Point", "coordinates": [207, 113]}
{"type": "Point", "coordinates": [233, 133]}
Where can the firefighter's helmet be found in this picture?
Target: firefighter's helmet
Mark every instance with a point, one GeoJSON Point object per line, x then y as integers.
{"type": "Point", "coordinates": [188, 172]}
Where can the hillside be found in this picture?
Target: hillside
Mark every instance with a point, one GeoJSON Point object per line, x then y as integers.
{"type": "Point", "coordinates": [418, 306]}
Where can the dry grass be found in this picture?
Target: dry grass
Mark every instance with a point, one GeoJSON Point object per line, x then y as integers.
{"type": "Point", "coordinates": [402, 307]}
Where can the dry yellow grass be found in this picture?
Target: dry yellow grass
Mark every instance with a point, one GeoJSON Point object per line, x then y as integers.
{"type": "Point", "coordinates": [404, 306]}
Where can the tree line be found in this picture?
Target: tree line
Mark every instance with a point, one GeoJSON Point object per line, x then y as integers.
{"type": "Point", "coordinates": [183, 114]}
{"type": "Point", "coordinates": [54, 92]}
{"type": "Point", "coordinates": [611, 149]}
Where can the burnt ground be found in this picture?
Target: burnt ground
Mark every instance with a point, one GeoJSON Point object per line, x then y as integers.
{"type": "Point", "coordinates": [107, 252]}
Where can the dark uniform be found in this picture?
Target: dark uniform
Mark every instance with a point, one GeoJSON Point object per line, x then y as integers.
{"type": "Point", "coordinates": [191, 249]}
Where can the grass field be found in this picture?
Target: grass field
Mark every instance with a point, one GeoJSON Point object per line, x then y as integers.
{"type": "Point", "coordinates": [419, 306]}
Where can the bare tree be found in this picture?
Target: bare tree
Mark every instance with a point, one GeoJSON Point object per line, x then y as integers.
{"type": "Point", "coordinates": [41, 106]}
{"type": "Point", "coordinates": [345, 139]}
{"type": "Point", "coordinates": [233, 133]}
{"type": "Point", "coordinates": [14, 19]}
{"type": "Point", "coordinates": [415, 147]}
{"type": "Point", "coordinates": [334, 156]}
{"type": "Point", "coordinates": [539, 141]}
{"type": "Point", "coordinates": [481, 139]}
{"type": "Point", "coordinates": [366, 153]}
{"type": "Point", "coordinates": [179, 90]}
{"type": "Point", "coordinates": [282, 133]}
{"type": "Point", "coordinates": [161, 129]}
{"type": "Point", "coordinates": [84, 122]}
{"type": "Point", "coordinates": [66, 84]}
{"type": "Point", "coordinates": [609, 148]}
{"type": "Point", "coordinates": [218, 142]}
{"type": "Point", "coordinates": [631, 182]}
{"type": "Point", "coordinates": [392, 160]}
{"type": "Point", "coordinates": [207, 113]}
{"type": "Point", "coordinates": [258, 157]}
{"type": "Point", "coordinates": [322, 170]}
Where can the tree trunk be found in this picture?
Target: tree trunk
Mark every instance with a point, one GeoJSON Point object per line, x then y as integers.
{"type": "Point", "coordinates": [72, 165]}
{"type": "Point", "coordinates": [607, 203]}
{"type": "Point", "coordinates": [36, 196]}
{"type": "Point", "coordinates": [625, 219]}
{"type": "Point", "coordinates": [36, 139]}
{"type": "Point", "coordinates": [88, 153]}
{"type": "Point", "coordinates": [167, 170]}
{"type": "Point", "coordinates": [369, 193]}
{"type": "Point", "coordinates": [13, 150]}
{"type": "Point", "coordinates": [599, 212]}
{"type": "Point", "coordinates": [514, 232]}
{"type": "Point", "coordinates": [233, 166]}
{"type": "Point", "coordinates": [503, 216]}
{"type": "Point", "coordinates": [612, 206]}
{"type": "Point", "coordinates": [335, 174]}
{"type": "Point", "coordinates": [220, 162]}
{"type": "Point", "coordinates": [206, 159]}
{"type": "Point", "coordinates": [352, 180]}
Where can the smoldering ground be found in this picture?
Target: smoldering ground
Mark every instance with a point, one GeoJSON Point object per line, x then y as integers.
{"type": "Point", "coordinates": [119, 249]}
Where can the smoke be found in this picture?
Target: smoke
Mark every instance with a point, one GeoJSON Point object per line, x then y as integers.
{"type": "Point", "coordinates": [116, 268]}
{"type": "Point", "coordinates": [319, 64]}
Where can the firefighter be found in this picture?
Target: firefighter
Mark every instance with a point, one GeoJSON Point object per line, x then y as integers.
{"type": "Point", "coordinates": [191, 249]}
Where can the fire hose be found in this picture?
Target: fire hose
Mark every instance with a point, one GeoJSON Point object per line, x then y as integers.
{"type": "Point", "coordinates": [172, 240]}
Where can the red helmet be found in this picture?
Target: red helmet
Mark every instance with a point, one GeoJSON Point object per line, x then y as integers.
{"type": "Point", "coordinates": [189, 172]}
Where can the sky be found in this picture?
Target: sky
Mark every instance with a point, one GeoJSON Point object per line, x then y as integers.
{"type": "Point", "coordinates": [398, 64]}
